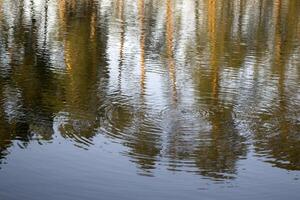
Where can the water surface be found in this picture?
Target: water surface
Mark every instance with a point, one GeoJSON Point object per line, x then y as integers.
{"type": "Point", "coordinates": [149, 99]}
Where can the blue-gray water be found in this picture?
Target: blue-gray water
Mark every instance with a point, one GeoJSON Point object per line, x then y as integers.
{"type": "Point", "coordinates": [149, 99]}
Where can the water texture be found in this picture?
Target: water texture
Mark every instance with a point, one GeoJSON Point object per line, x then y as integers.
{"type": "Point", "coordinates": [149, 99]}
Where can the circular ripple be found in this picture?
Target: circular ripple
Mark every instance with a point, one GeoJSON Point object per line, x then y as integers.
{"type": "Point", "coordinates": [121, 120]}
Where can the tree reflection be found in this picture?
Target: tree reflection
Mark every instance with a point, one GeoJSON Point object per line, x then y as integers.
{"type": "Point", "coordinates": [217, 154]}
{"type": "Point", "coordinates": [144, 144]}
{"type": "Point", "coordinates": [25, 82]}
{"type": "Point", "coordinates": [192, 79]}
{"type": "Point", "coordinates": [280, 142]}
{"type": "Point", "coordinates": [83, 46]}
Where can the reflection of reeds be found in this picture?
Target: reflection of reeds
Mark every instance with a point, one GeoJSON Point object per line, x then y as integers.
{"type": "Point", "coordinates": [62, 18]}
{"type": "Point", "coordinates": [93, 26]}
{"type": "Point", "coordinates": [213, 46]}
{"type": "Point", "coordinates": [170, 47]}
{"type": "Point", "coordinates": [284, 127]}
{"type": "Point", "coordinates": [120, 7]}
{"type": "Point", "coordinates": [278, 45]}
{"type": "Point", "coordinates": [122, 39]}
{"type": "Point", "coordinates": [1, 11]}
{"type": "Point", "coordinates": [62, 6]}
{"type": "Point", "coordinates": [277, 16]}
{"type": "Point", "coordinates": [141, 7]}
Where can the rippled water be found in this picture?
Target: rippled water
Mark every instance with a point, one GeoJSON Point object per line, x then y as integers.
{"type": "Point", "coordinates": [149, 99]}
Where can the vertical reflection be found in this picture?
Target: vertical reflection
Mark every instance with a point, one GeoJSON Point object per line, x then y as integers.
{"type": "Point", "coordinates": [213, 47]}
{"type": "Point", "coordinates": [177, 146]}
{"type": "Point", "coordinates": [1, 14]}
{"type": "Point", "coordinates": [144, 146]}
{"type": "Point", "coordinates": [122, 40]}
{"type": "Point", "coordinates": [83, 51]}
{"type": "Point", "coordinates": [277, 42]}
{"type": "Point", "coordinates": [197, 25]}
{"type": "Point", "coordinates": [216, 156]}
{"type": "Point", "coordinates": [5, 136]}
{"type": "Point", "coordinates": [170, 47]}
{"type": "Point", "coordinates": [33, 77]}
{"type": "Point", "coordinates": [284, 125]}
{"type": "Point", "coordinates": [235, 38]}
{"type": "Point", "coordinates": [279, 140]}
{"type": "Point", "coordinates": [45, 24]}
{"type": "Point", "coordinates": [62, 16]}
{"type": "Point", "coordinates": [141, 11]}
{"type": "Point", "coordinates": [27, 79]}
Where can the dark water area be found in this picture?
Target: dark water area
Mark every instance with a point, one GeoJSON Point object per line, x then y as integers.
{"type": "Point", "coordinates": [149, 99]}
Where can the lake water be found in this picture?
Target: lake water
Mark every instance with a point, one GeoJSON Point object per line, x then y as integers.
{"type": "Point", "coordinates": [149, 99]}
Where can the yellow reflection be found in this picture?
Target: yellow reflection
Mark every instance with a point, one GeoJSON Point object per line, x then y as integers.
{"type": "Point", "coordinates": [212, 10]}
{"type": "Point", "coordinates": [62, 7]}
{"type": "Point", "coordinates": [170, 47]}
{"type": "Point", "coordinates": [284, 126]}
{"type": "Point", "coordinates": [277, 15]}
{"type": "Point", "coordinates": [93, 26]}
{"type": "Point", "coordinates": [62, 18]}
{"type": "Point", "coordinates": [278, 45]}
